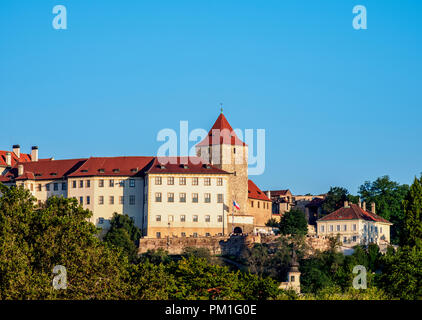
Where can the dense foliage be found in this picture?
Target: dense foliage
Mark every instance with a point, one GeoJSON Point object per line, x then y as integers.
{"type": "Point", "coordinates": [388, 196]}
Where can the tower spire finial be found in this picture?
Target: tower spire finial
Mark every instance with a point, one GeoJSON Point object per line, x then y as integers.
{"type": "Point", "coordinates": [221, 107]}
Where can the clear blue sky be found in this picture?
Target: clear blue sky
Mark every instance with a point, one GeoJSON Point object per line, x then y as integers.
{"type": "Point", "coordinates": [339, 106]}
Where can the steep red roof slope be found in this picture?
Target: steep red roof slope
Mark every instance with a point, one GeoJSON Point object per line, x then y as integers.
{"type": "Point", "coordinates": [221, 133]}
{"type": "Point", "coordinates": [113, 166]}
{"type": "Point", "coordinates": [24, 157]}
{"type": "Point", "coordinates": [353, 212]}
{"type": "Point", "coordinates": [45, 169]}
{"type": "Point", "coordinates": [187, 165]}
{"type": "Point", "coordinates": [255, 193]}
{"type": "Point", "coordinates": [280, 192]}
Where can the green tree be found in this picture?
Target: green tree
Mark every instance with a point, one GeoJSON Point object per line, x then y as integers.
{"type": "Point", "coordinates": [412, 228]}
{"type": "Point", "coordinates": [388, 196]}
{"type": "Point", "coordinates": [35, 240]}
{"type": "Point", "coordinates": [402, 273]}
{"type": "Point", "coordinates": [123, 234]}
{"type": "Point", "coordinates": [294, 222]}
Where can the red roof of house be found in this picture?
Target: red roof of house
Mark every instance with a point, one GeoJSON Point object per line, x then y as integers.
{"type": "Point", "coordinates": [353, 212]}
{"type": "Point", "coordinates": [24, 157]}
{"type": "Point", "coordinates": [187, 165]}
{"type": "Point", "coordinates": [45, 169]}
{"type": "Point", "coordinates": [113, 166]}
{"type": "Point", "coordinates": [221, 133]}
{"type": "Point", "coordinates": [255, 193]}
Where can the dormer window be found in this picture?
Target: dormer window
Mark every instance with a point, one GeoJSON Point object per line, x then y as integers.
{"type": "Point", "coordinates": [101, 170]}
{"type": "Point", "coordinates": [84, 170]}
{"type": "Point", "coordinates": [133, 170]}
{"type": "Point", "coordinates": [53, 174]}
{"type": "Point", "coordinates": [162, 166]}
{"type": "Point", "coordinates": [38, 174]}
{"type": "Point", "coordinates": [117, 170]}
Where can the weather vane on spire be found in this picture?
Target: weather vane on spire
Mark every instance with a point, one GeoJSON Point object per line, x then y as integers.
{"type": "Point", "coordinates": [221, 107]}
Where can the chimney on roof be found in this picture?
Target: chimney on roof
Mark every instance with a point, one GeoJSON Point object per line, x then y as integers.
{"type": "Point", "coordinates": [346, 204]}
{"type": "Point", "coordinates": [17, 150]}
{"type": "Point", "coordinates": [364, 205]}
{"type": "Point", "coordinates": [34, 153]}
{"type": "Point", "coordinates": [373, 207]}
{"type": "Point", "coordinates": [20, 169]}
{"type": "Point", "coordinates": [269, 194]}
{"type": "Point", "coordinates": [8, 159]}
{"type": "Point", "coordinates": [359, 203]}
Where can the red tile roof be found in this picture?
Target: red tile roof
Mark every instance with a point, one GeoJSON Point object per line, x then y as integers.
{"type": "Point", "coordinates": [45, 169]}
{"type": "Point", "coordinates": [187, 165]}
{"type": "Point", "coordinates": [113, 166]}
{"type": "Point", "coordinates": [24, 157]}
{"type": "Point", "coordinates": [255, 193]}
{"type": "Point", "coordinates": [221, 133]}
{"type": "Point", "coordinates": [353, 212]}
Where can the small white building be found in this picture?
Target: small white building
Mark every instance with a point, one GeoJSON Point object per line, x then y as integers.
{"type": "Point", "coordinates": [355, 225]}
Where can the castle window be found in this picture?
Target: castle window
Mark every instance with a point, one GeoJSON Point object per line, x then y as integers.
{"type": "Point", "coordinates": [63, 186]}
{"type": "Point", "coordinates": [111, 183]}
{"type": "Point", "coordinates": [258, 204]}
{"type": "Point", "coordinates": [219, 181]}
{"type": "Point", "coordinates": [81, 200]}
{"type": "Point", "coordinates": [220, 198]}
{"type": "Point", "coordinates": [207, 218]}
{"type": "Point", "coordinates": [195, 218]}
{"type": "Point", "coordinates": [354, 227]}
{"type": "Point", "coordinates": [132, 183]}
{"type": "Point", "coordinates": [195, 235]}
{"type": "Point", "coordinates": [100, 200]}
{"type": "Point", "coordinates": [88, 200]}
{"type": "Point", "coordinates": [207, 181]}
{"type": "Point", "coordinates": [182, 218]}
{"type": "Point", "coordinates": [338, 227]}
{"type": "Point", "coordinates": [344, 239]}
{"type": "Point", "coordinates": [345, 227]}
{"type": "Point", "coordinates": [183, 234]}
{"type": "Point", "coordinates": [132, 200]}
{"type": "Point", "coordinates": [251, 204]}
{"type": "Point", "coordinates": [121, 200]}
{"type": "Point", "coordinates": [354, 238]}
{"type": "Point", "coordinates": [207, 234]}
{"type": "Point", "coordinates": [292, 278]}
{"type": "Point", "coordinates": [158, 197]}
{"type": "Point", "coordinates": [74, 184]}
{"type": "Point", "coordinates": [158, 234]}
{"type": "Point", "coordinates": [194, 197]}
{"type": "Point", "coordinates": [101, 183]}
{"type": "Point", "coordinates": [322, 228]}
{"type": "Point", "coordinates": [195, 181]}
{"type": "Point", "coordinates": [111, 200]}
{"type": "Point", "coordinates": [182, 181]}
{"type": "Point", "coordinates": [55, 186]}
{"type": "Point", "coordinates": [170, 181]}
{"type": "Point", "coordinates": [170, 197]}
{"type": "Point", "coordinates": [81, 183]}
{"type": "Point", "coordinates": [182, 197]}
{"type": "Point", "coordinates": [171, 218]}
{"type": "Point", "coordinates": [234, 150]}
{"type": "Point", "coordinates": [158, 180]}
{"type": "Point", "coordinates": [47, 187]}
{"type": "Point", "coordinates": [100, 220]}
{"type": "Point", "coordinates": [207, 197]}
{"type": "Point", "coordinates": [88, 183]}
{"type": "Point", "coordinates": [39, 187]}
{"type": "Point", "coordinates": [158, 218]}
{"type": "Point", "coordinates": [220, 219]}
